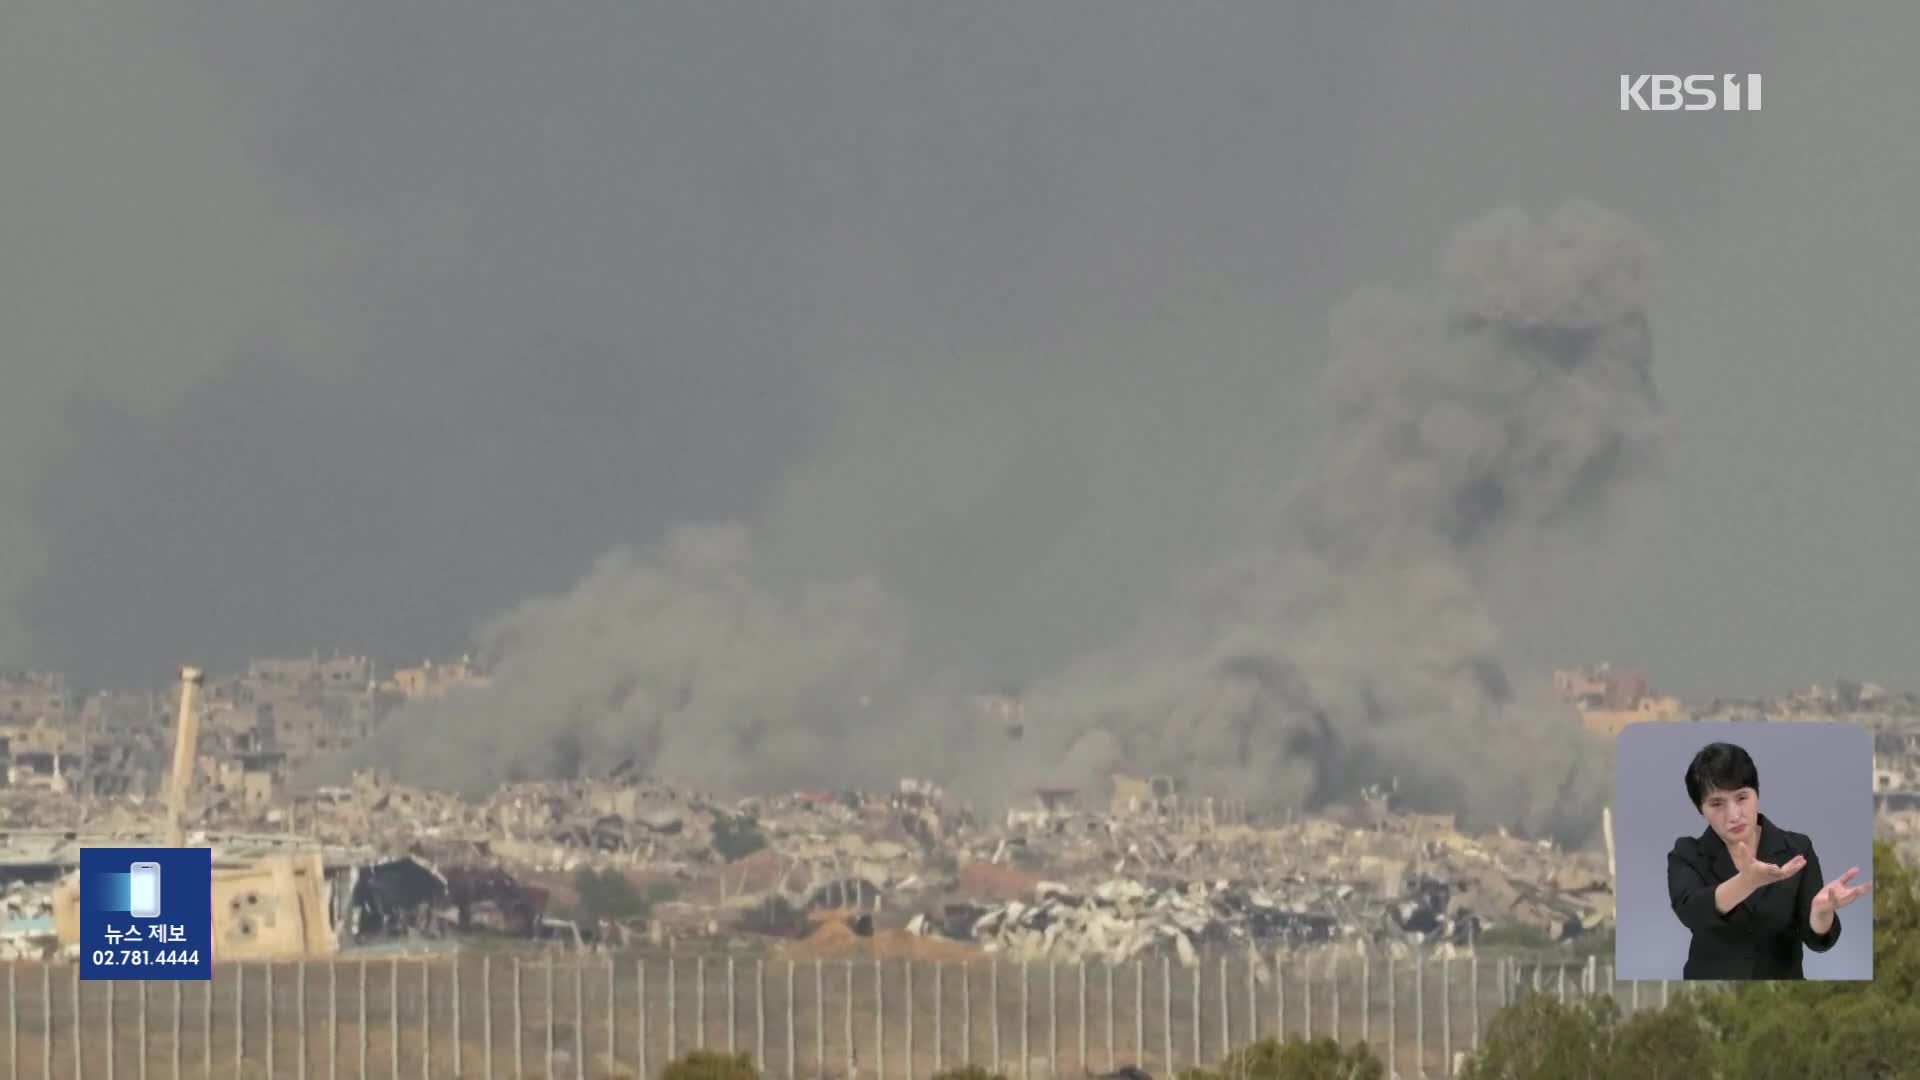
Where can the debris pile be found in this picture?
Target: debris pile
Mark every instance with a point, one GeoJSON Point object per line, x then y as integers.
{"type": "Point", "coordinates": [26, 922]}
{"type": "Point", "coordinates": [1120, 919]}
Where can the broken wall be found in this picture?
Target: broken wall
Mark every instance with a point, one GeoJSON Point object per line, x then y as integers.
{"type": "Point", "coordinates": [277, 908]}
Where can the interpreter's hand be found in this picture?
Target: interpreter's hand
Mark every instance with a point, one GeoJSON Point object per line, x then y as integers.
{"type": "Point", "coordinates": [1763, 873]}
{"type": "Point", "coordinates": [1837, 894]}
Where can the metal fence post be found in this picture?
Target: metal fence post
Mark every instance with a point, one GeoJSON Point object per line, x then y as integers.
{"type": "Point", "coordinates": [1107, 966]}
{"type": "Point", "coordinates": [1366, 998]}
{"type": "Point", "coordinates": [426, 1019]}
{"type": "Point", "coordinates": [579, 1018]}
{"type": "Point", "coordinates": [1026, 1021]}
{"type": "Point", "coordinates": [361, 1035]}
{"type": "Point", "coordinates": [1279, 995]}
{"type": "Point", "coordinates": [519, 1026]}
{"type": "Point", "coordinates": [1053, 1017]}
{"type": "Point", "coordinates": [639, 1019]}
{"type": "Point", "coordinates": [300, 1004]}
{"type": "Point", "coordinates": [393, 1017]}
{"type": "Point", "coordinates": [1446, 1014]}
{"type": "Point", "coordinates": [1226, 1010]}
{"type": "Point", "coordinates": [1082, 966]}
{"type": "Point", "coordinates": [546, 1021]}
{"type": "Point", "coordinates": [1420, 1012]}
{"type": "Point", "coordinates": [1166, 1011]}
{"type": "Point", "coordinates": [1333, 976]}
{"type": "Point", "coordinates": [673, 1006]}
{"type": "Point", "coordinates": [240, 1020]}
{"type": "Point", "coordinates": [1393, 1025]}
{"type": "Point", "coordinates": [46, 1021]}
{"type": "Point", "coordinates": [939, 1032]}
{"type": "Point", "coordinates": [879, 1021]}
{"type": "Point", "coordinates": [1140, 1012]}
{"type": "Point", "coordinates": [793, 1067]}
{"type": "Point", "coordinates": [270, 1017]}
{"type": "Point", "coordinates": [700, 1002]}
{"type": "Point", "coordinates": [1306, 996]}
{"type": "Point", "coordinates": [108, 1034]}
{"type": "Point", "coordinates": [459, 1065]}
{"type": "Point", "coordinates": [1253, 997]}
{"type": "Point", "coordinates": [486, 1016]}
{"type": "Point", "coordinates": [966, 1012]}
{"type": "Point", "coordinates": [1473, 997]}
{"type": "Point", "coordinates": [333, 1019]}
{"type": "Point", "coordinates": [732, 996]}
{"type": "Point", "coordinates": [993, 1011]}
{"type": "Point", "coordinates": [143, 1032]}
{"type": "Point", "coordinates": [759, 1014]}
{"type": "Point", "coordinates": [820, 1017]}
{"type": "Point", "coordinates": [1194, 1002]}
{"type": "Point", "coordinates": [852, 1053]}
{"type": "Point", "coordinates": [455, 1000]}
{"type": "Point", "coordinates": [907, 991]}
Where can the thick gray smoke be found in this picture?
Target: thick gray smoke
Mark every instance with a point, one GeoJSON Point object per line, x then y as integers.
{"type": "Point", "coordinates": [1358, 650]}
{"type": "Point", "coordinates": [676, 660]}
{"type": "Point", "coordinates": [1355, 647]}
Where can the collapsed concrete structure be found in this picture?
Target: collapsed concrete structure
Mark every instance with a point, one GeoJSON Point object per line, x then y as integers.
{"type": "Point", "coordinates": [1139, 869]}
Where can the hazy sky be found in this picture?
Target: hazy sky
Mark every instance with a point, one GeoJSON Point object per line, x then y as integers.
{"type": "Point", "coordinates": [352, 325]}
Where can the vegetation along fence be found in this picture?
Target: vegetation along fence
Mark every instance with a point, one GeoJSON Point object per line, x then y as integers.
{"type": "Point", "coordinates": [477, 1014]}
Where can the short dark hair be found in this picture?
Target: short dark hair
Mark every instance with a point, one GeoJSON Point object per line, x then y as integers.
{"type": "Point", "coordinates": [1720, 767]}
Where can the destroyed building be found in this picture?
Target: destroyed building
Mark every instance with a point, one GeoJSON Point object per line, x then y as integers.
{"type": "Point", "coordinates": [431, 682]}
{"type": "Point", "coordinates": [1141, 868]}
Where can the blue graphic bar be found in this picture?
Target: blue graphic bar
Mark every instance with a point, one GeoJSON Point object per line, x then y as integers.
{"type": "Point", "coordinates": [109, 892]}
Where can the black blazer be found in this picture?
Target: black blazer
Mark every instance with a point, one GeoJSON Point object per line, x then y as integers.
{"type": "Point", "coordinates": [1761, 938]}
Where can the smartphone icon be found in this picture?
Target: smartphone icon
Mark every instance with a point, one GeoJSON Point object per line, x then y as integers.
{"type": "Point", "coordinates": [144, 890]}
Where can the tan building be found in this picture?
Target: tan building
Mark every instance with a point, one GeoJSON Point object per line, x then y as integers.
{"type": "Point", "coordinates": [1141, 795]}
{"type": "Point", "coordinates": [1600, 687]}
{"type": "Point", "coordinates": [431, 681]}
{"type": "Point", "coordinates": [338, 672]}
{"type": "Point", "coordinates": [30, 696]}
{"type": "Point", "coordinates": [1609, 722]}
{"type": "Point", "coordinates": [1005, 711]}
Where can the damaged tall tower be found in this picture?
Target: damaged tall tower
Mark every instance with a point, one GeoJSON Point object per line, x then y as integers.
{"type": "Point", "coordinates": [186, 740]}
{"type": "Point", "coordinates": [277, 907]}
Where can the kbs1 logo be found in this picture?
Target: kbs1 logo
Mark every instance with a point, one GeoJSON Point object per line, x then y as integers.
{"type": "Point", "coordinates": [1689, 93]}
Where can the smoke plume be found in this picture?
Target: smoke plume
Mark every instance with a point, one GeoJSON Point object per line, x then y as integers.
{"type": "Point", "coordinates": [1354, 646]}
{"type": "Point", "coordinates": [675, 660]}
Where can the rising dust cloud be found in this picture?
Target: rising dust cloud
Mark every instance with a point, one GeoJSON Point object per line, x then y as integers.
{"type": "Point", "coordinates": [1505, 412]}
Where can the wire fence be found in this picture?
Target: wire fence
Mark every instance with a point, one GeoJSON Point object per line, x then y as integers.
{"type": "Point", "coordinates": [582, 1016]}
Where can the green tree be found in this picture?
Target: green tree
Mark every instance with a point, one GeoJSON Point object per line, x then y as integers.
{"type": "Point", "coordinates": [736, 837]}
{"type": "Point", "coordinates": [1741, 1031]}
{"type": "Point", "coordinates": [968, 1072]}
{"type": "Point", "coordinates": [711, 1065]}
{"type": "Point", "coordinates": [1541, 1039]}
{"type": "Point", "coordinates": [1295, 1059]}
{"type": "Point", "coordinates": [1841, 1029]}
{"type": "Point", "coordinates": [607, 894]}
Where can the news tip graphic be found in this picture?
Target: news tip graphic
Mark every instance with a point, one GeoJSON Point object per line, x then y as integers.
{"type": "Point", "coordinates": [146, 914]}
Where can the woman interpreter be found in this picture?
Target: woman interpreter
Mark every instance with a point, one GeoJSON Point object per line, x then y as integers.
{"type": "Point", "coordinates": [1749, 890]}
